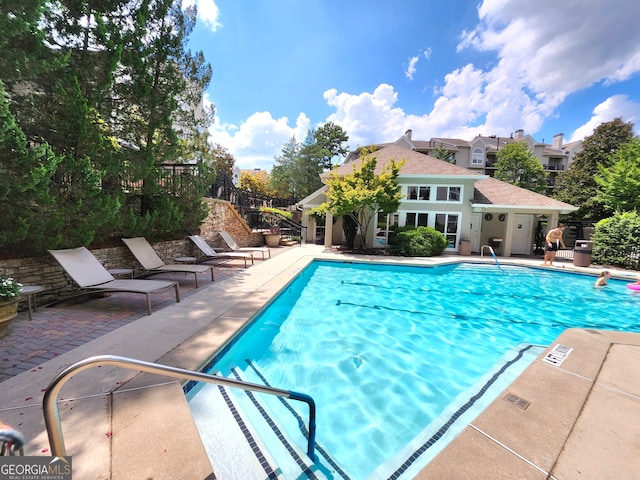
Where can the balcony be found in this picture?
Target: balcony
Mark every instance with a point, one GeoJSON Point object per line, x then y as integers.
{"type": "Point", "coordinates": [553, 167]}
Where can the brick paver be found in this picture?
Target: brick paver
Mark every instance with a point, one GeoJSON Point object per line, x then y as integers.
{"type": "Point", "coordinates": [61, 327]}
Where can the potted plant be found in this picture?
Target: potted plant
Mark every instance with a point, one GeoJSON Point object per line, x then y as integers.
{"type": "Point", "coordinates": [9, 296]}
{"type": "Point", "coordinates": [272, 236]}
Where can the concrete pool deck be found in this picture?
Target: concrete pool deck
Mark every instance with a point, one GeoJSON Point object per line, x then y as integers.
{"type": "Point", "coordinates": [580, 421]}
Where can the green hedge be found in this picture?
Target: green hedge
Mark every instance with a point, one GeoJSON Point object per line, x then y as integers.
{"type": "Point", "coordinates": [615, 239]}
{"type": "Point", "coordinates": [417, 242]}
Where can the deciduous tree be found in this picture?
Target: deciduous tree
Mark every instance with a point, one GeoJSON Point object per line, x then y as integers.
{"type": "Point", "coordinates": [222, 159]}
{"type": "Point", "coordinates": [619, 184]}
{"type": "Point", "coordinates": [363, 194]}
{"type": "Point", "coordinates": [257, 181]}
{"type": "Point", "coordinates": [577, 185]}
{"type": "Point", "coordinates": [518, 166]}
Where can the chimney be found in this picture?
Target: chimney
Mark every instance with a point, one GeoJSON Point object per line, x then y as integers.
{"type": "Point", "coordinates": [408, 134]}
{"type": "Point", "coordinates": [519, 134]}
{"type": "Point", "coordinates": [558, 139]}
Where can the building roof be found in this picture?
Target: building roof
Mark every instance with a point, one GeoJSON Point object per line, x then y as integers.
{"type": "Point", "coordinates": [415, 164]}
{"type": "Point", "coordinates": [491, 191]}
{"type": "Point", "coordinates": [488, 191]}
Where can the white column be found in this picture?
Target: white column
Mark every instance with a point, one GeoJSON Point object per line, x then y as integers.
{"type": "Point", "coordinates": [328, 230]}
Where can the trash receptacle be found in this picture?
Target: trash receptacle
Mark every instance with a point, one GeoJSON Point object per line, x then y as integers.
{"type": "Point", "coordinates": [464, 247]}
{"type": "Point", "coordinates": [582, 253]}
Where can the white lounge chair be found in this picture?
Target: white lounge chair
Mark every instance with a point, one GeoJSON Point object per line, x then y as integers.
{"type": "Point", "coordinates": [89, 274]}
{"type": "Point", "coordinates": [152, 263]}
{"type": "Point", "coordinates": [210, 254]}
{"type": "Point", "coordinates": [228, 239]}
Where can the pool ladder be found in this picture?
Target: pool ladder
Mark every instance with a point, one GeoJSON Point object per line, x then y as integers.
{"type": "Point", "coordinates": [52, 415]}
{"type": "Point", "coordinates": [11, 441]}
{"type": "Point", "coordinates": [493, 254]}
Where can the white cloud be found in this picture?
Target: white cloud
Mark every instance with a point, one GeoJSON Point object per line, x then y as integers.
{"type": "Point", "coordinates": [368, 117]}
{"type": "Point", "coordinates": [540, 53]}
{"type": "Point", "coordinates": [208, 12]}
{"type": "Point", "coordinates": [413, 61]}
{"type": "Point", "coordinates": [612, 108]}
{"type": "Point", "coordinates": [539, 45]}
{"type": "Point", "coordinates": [258, 139]}
{"type": "Point", "coordinates": [557, 48]}
{"type": "Point", "coordinates": [411, 69]}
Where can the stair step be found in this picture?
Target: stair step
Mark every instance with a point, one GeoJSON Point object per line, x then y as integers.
{"type": "Point", "coordinates": [245, 439]}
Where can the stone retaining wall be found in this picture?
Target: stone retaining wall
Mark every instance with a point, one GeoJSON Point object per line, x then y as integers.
{"type": "Point", "coordinates": [45, 271]}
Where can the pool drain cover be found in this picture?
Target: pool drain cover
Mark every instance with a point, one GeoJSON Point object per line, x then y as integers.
{"type": "Point", "coordinates": [517, 401]}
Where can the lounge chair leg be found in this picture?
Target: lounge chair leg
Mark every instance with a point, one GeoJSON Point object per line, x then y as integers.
{"type": "Point", "coordinates": [177, 292]}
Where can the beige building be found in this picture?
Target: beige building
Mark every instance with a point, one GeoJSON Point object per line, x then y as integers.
{"type": "Point", "coordinates": [468, 206]}
{"type": "Point", "coordinates": [480, 154]}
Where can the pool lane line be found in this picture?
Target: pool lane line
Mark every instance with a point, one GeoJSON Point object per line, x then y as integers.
{"type": "Point", "coordinates": [492, 292]}
{"type": "Point", "coordinates": [457, 316]}
{"type": "Point", "coordinates": [397, 474]}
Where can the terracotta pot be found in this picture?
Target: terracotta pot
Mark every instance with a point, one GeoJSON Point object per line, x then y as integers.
{"type": "Point", "coordinates": [272, 239]}
{"type": "Point", "coordinates": [8, 311]}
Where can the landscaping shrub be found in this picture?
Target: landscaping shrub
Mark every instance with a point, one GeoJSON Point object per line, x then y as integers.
{"type": "Point", "coordinates": [417, 242]}
{"type": "Point", "coordinates": [616, 240]}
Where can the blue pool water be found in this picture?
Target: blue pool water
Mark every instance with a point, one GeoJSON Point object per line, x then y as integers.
{"type": "Point", "coordinates": [390, 352]}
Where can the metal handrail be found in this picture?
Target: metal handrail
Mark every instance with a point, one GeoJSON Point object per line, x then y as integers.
{"type": "Point", "coordinates": [490, 250]}
{"type": "Point", "coordinates": [52, 415]}
{"type": "Point", "coordinates": [493, 254]}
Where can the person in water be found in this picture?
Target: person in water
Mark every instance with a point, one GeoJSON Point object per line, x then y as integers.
{"type": "Point", "coordinates": [552, 244]}
{"type": "Point", "coordinates": [602, 278]}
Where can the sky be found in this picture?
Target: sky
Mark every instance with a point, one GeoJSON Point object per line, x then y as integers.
{"type": "Point", "coordinates": [442, 68]}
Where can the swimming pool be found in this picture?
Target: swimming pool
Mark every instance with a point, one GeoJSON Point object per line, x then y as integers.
{"type": "Point", "coordinates": [390, 354]}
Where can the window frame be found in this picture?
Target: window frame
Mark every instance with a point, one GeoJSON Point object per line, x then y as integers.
{"type": "Point", "coordinates": [477, 156]}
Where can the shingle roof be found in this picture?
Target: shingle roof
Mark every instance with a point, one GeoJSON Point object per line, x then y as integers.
{"type": "Point", "coordinates": [491, 191]}
{"type": "Point", "coordinates": [487, 191]}
{"type": "Point", "coordinates": [415, 163]}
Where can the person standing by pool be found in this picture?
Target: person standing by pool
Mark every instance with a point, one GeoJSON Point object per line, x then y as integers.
{"type": "Point", "coordinates": [553, 241]}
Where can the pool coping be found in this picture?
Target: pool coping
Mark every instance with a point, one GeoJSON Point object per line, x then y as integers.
{"type": "Point", "coordinates": [110, 416]}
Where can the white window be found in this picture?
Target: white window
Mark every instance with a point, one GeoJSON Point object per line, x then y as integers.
{"type": "Point", "coordinates": [417, 219]}
{"type": "Point", "coordinates": [478, 157]}
{"type": "Point", "coordinates": [418, 192]}
{"type": "Point", "coordinates": [448, 194]}
{"type": "Point", "coordinates": [449, 225]}
{"type": "Point", "coordinates": [385, 222]}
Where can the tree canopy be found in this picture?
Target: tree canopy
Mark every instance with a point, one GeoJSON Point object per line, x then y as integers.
{"type": "Point", "coordinates": [519, 166]}
{"type": "Point", "coordinates": [577, 185]}
{"type": "Point", "coordinates": [104, 93]}
{"type": "Point", "coordinates": [363, 194]}
{"type": "Point", "coordinates": [330, 140]}
{"type": "Point", "coordinates": [619, 184]}
{"type": "Point", "coordinates": [441, 153]}
{"type": "Point", "coordinates": [256, 181]}
{"type": "Point", "coordinates": [222, 159]}
{"type": "Point", "coordinates": [297, 169]}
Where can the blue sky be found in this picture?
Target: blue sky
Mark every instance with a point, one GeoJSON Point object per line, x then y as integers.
{"type": "Point", "coordinates": [440, 68]}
